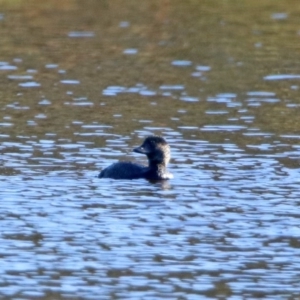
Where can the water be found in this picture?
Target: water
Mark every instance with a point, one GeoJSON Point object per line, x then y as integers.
{"type": "Point", "coordinates": [219, 82]}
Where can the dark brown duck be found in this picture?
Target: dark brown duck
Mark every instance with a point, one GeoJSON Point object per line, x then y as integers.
{"type": "Point", "coordinates": [158, 153]}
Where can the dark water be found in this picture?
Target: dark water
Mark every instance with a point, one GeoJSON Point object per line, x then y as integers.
{"type": "Point", "coordinates": [83, 82]}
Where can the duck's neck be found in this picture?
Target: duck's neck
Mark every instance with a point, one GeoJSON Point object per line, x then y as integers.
{"type": "Point", "coordinates": [157, 165]}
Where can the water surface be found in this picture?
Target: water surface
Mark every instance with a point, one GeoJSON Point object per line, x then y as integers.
{"type": "Point", "coordinates": [86, 82]}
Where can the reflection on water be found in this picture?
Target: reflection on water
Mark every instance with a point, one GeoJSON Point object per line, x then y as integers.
{"type": "Point", "coordinates": [84, 83]}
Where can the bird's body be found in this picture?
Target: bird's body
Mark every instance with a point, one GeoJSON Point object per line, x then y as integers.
{"type": "Point", "coordinates": [158, 153]}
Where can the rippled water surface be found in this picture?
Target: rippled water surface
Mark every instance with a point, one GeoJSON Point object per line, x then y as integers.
{"type": "Point", "coordinates": [83, 83]}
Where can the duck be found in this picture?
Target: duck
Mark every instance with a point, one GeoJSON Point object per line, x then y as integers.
{"type": "Point", "coordinates": [158, 153]}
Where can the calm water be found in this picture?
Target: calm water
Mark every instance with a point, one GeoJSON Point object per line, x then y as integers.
{"type": "Point", "coordinates": [83, 82]}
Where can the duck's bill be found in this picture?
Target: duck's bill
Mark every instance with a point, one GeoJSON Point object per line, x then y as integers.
{"type": "Point", "coordinates": [140, 150]}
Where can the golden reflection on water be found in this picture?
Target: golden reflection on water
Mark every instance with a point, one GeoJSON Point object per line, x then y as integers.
{"type": "Point", "coordinates": [239, 41]}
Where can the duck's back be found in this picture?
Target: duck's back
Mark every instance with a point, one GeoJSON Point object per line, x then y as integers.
{"type": "Point", "coordinates": [124, 170]}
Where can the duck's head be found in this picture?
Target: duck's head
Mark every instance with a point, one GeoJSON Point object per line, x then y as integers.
{"type": "Point", "coordinates": [157, 150]}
